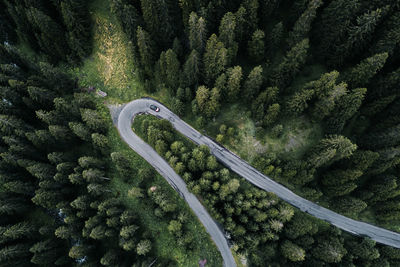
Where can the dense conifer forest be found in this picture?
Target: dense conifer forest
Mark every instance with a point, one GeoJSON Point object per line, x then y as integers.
{"type": "Point", "coordinates": [307, 91]}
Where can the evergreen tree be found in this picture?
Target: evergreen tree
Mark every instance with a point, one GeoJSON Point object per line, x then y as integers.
{"type": "Point", "coordinates": [292, 251]}
{"type": "Point", "coordinates": [93, 120]}
{"type": "Point", "coordinates": [191, 69]}
{"type": "Point", "coordinates": [329, 250]}
{"type": "Point", "coordinates": [349, 205]}
{"type": "Point", "coordinates": [358, 36]}
{"type": "Point", "coordinates": [253, 83]}
{"type": "Point", "coordinates": [143, 247]}
{"type": "Point", "coordinates": [274, 38]}
{"type": "Point", "coordinates": [146, 50]}
{"type": "Point", "coordinates": [295, 58]}
{"type": "Point", "coordinates": [76, 19]}
{"type": "Point", "coordinates": [197, 33]}
{"type": "Point", "coordinates": [20, 230]}
{"type": "Point", "coordinates": [233, 83]}
{"type": "Point", "coordinates": [170, 66]}
{"type": "Point", "coordinates": [332, 148]}
{"type": "Point", "coordinates": [390, 37]}
{"type": "Point", "coordinates": [335, 19]}
{"type": "Point", "coordinates": [251, 7]}
{"type": "Point", "coordinates": [298, 102]}
{"type": "Point", "coordinates": [271, 114]}
{"type": "Point", "coordinates": [48, 34]}
{"type": "Point", "coordinates": [80, 130]}
{"type": "Point", "coordinates": [345, 108]}
{"type": "Point", "coordinates": [227, 35]}
{"type": "Point", "coordinates": [12, 252]}
{"type": "Point", "coordinates": [158, 20]}
{"type": "Point", "coordinates": [215, 59]}
{"type": "Point", "coordinates": [303, 25]}
{"type": "Point", "coordinates": [324, 106]}
{"type": "Point", "coordinates": [361, 74]}
{"type": "Point", "coordinates": [256, 47]}
{"type": "Point", "coordinates": [365, 250]}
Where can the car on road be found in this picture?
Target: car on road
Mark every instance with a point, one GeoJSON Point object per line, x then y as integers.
{"type": "Point", "coordinates": [155, 108]}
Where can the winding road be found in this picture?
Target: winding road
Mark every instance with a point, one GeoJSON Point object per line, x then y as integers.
{"type": "Point", "coordinates": [123, 121]}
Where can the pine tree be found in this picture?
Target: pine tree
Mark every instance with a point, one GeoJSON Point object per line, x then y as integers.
{"type": "Point", "coordinates": [78, 251]}
{"type": "Point", "coordinates": [390, 38]}
{"type": "Point", "coordinates": [11, 252]}
{"type": "Point", "coordinates": [20, 230]}
{"type": "Point", "coordinates": [339, 190]}
{"type": "Point", "coordinates": [233, 83]}
{"type": "Point", "coordinates": [45, 252]}
{"type": "Point", "coordinates": [93, 120]}
{"type": "Point", "coordinates": [271, 114]}
{"type": "Point", "coordinates": [292, 251]}
{"type": "Point", "coordinates": [129, 18]}
{"type": "Point", "coordinates": [110, 258]}
{"type": "Point", "coordinates": [284, 73]}
{"type": "Point", "coordinates": [256, 46]}
{"type": "Point", "coordinates": [338, 177]}
{"type": "Point", "coordinates": [197, 33]}
{"type": "Point", "coordinates": [143, 247]}
{"type": "Point", "coordinates": [358, 36]}
{"type": "Point", "coordinates": [300, 225]}
{"type": "Point", "coordinates": [297, 103]}
{"type": "Point", "coordinates": [202, 96]}
{"type": "Point", "coordinates": [146, 50]}
{"type": "Point", "coordinates": [345, 108]}
{"type": "Point", "coordinates": [332, 148]}
{"type": "Point", "coordinates": [361, 74]}
{"type": "Point", "coordinates": [349, 205]}
{"type": "Point", "coordinates": [274, 38]}
{"type": "Point", "coordinates": [303, 25]}
{"type": "Point", "coordinates": [100, 141]}
{"type": "Point", "coordinates": [241, 23]}
{"type": "Point", "coordinates": [329, 250]}
{"type": "Point", "coordinates": [94, 176]}
{"type": "Point", "coordinates": [191, 69]}
{"type": "Point", "coordinates": [80, 130]}
{"type": "Point", "coordinates": [48, 33]}
{"type": "Point", "coordinates": [251, 7]}
{"type": "Point", "coordinates": [75, 16]}
{"type": "Point", "coordinates": [365, 250]}
{"type": "Point", "coordinates": [215, 59]}
{"type": "Point", "coordinates": [324, 106]}
{"type": "Point", "coordinates": [335, 19]}
{"type": "Point", "coordinates": [253, 83]}
{"type": "Point", "coordinates": [227, 30]}
{"type": "Point", "coordinates": [158, 20]}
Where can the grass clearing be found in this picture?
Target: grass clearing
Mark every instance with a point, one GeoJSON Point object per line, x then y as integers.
{"type": "Point", "coordinates": [298, 135]}
{"type": "Point", "coordinates": [110, 68]}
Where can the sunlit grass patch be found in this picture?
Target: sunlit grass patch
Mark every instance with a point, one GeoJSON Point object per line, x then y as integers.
{"type": "Point", "coordinates": [110, 68]}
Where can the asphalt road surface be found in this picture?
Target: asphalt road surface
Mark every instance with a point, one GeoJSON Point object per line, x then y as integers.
{"type": "Point", "coordinates": [237, 165]}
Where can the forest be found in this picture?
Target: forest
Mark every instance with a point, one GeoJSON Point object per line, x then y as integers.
{"type": "Point", "coordinates": [306, 91]}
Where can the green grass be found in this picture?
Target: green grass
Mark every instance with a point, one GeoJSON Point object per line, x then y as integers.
{"type": "Point", "coordinates": [298, 135]}
{"type": "Point", "coordinates": [110, 67]}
